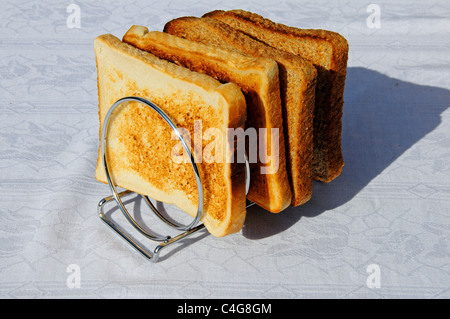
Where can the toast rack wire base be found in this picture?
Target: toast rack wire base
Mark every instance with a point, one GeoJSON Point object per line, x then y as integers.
{"type": "Point", "coordinates": [152, 256]}
{"type": "Point", "coordinates": [187, 230]}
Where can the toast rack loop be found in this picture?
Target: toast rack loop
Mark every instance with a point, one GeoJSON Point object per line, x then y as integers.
{"type": "Point", "coordinates": [166, 240]}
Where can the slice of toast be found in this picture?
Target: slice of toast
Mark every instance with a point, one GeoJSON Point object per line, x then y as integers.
{"type": "Point", "coordinates": [141, 146]}
{"type": "Point", "coordinates": [297, 88]}
{"type": "Point", "coordinates": [258, 79]}
{"type": "Point", "coordinates": [328, 51]}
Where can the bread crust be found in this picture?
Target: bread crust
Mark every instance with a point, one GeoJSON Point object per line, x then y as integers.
{"type": "Point", "coordinates": [127, 71]}
{"type": "Point", "coordinates": [328, 51]}
{"type": "Point", "coordinates": [297, 81]}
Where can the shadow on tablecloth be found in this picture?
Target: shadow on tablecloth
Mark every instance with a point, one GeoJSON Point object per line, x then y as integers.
{"type": "Point", "coordinates": [383, 117]}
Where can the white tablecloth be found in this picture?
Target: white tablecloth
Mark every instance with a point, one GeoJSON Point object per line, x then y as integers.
{"type": "Point", "coordinates": [380, 230]}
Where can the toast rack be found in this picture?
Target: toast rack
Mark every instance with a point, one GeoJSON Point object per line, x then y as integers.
{"type": "Point", "coordinates": [186, 230]}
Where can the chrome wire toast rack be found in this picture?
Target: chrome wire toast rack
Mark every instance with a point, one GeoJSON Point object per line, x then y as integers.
{"type": "Point", "coordinates": [165, 241]}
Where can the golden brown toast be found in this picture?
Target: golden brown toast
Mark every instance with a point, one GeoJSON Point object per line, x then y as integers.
{"type": "Point", "coordinates": [258, 79]}
{"type": "Point", "coordinates": [140, 144]}
{"type": "Point", "coordinates": [328, 51]}
{"type": "Point", "coordinates": [297, 88]}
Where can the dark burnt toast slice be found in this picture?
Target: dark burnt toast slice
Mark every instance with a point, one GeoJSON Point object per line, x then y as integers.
{"type": "Point", "coordinates": [328, 51]}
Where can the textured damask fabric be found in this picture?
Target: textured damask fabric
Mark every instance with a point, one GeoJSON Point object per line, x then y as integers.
{"type": "Point", "coordinates": [380, 230]}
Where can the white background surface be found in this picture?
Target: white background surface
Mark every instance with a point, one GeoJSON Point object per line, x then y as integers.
{"type": "Point", "coordinates": [390, 206]}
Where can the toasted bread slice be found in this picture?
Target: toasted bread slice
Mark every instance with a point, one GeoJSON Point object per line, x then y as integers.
{"type": "Point", "coordinates": [140, 145]}
{"type": "Point", "coordinates": [297, 88]}
{"type": "Point", "coordinates": [328, 51]}
{"type": "Point", "coordinates": [258, 79]}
